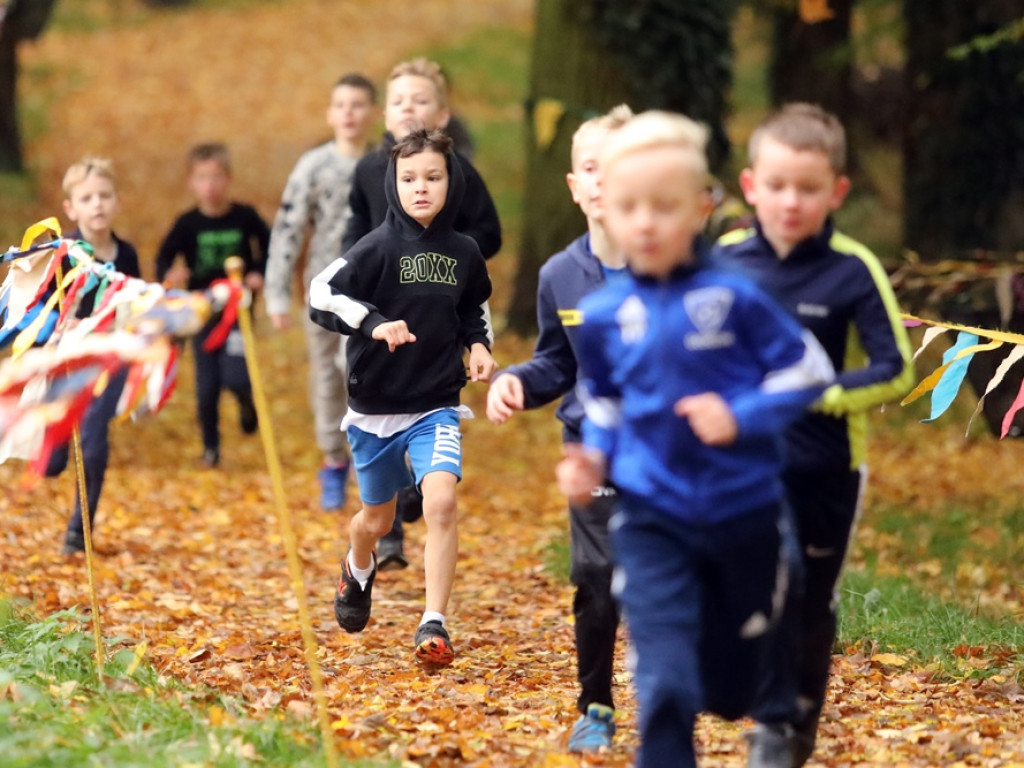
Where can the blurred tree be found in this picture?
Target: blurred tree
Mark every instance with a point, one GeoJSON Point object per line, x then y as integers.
{"type": "Point", "coordinates": [963, 143]}
{"type": "Point", "coordinates": [19, 20]}
{"type": "Point", "coordinates": [588, 56]}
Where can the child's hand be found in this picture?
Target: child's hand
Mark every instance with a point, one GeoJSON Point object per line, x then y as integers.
{"type": "Point", "coordinates": [253, 281]}
{"type": "Point", "coordinates": [395, 333]}
{"type": "Point", "coordinates": [504, 398]}
{"type": "Point", "coordinates": [280, 322]}
{"type": "Point", "coordinates": [710, 417]}
{"type": "Point", "coordinates": [481, 364]}
{"type": "Point", "coordinates": [580, 472]}
{"type": "Point", "coordinates": [177, 276]}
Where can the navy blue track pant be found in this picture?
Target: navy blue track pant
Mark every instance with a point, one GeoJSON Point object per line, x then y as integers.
{"type": "Point", "coordinates": [94, 431]}
{"type": "Point", "coordinates": [699, 601]}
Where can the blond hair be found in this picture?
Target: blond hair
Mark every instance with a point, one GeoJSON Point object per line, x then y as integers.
{"type": "Point", "coordinates": [612, 120]}
{"type": "Point", "coordinates": [655, 129]}
{"type": "Point", "coordinates": [79, 171]}
{"type": "Point", "coordinates": [423, 67]}
{"type": "Point", "coordinates": [803, 127]}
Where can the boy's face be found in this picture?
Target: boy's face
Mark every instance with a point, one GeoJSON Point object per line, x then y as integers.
{"type": "Point", "coordinates": [793, 192]}
{"type": "Point", "coordinates": [413, 102]}
{"type": "Point", "coordinates": [422, 182]}
{"type": "Point", "coordinates": [209, 182]}
{"type": "Point", "coordinates": [584, 180]}
{"type": "Point", "coordinates": [350, 113]}
{"type": "Point", "coordinates": [92, 204]}
{"type": "Point", "coordinates": [655, 203]}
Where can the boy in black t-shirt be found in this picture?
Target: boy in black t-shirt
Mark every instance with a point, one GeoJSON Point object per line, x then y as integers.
{"type": "Point", "coordinates": [204, 237]}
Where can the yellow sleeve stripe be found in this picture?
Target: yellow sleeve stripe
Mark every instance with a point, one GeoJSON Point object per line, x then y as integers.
{"type": "Point", "coordinates": [736, 236]}
{"type": "Point", "coordinates": [570, 317]}
{"type": "Point", "coordinates": [864, 398]}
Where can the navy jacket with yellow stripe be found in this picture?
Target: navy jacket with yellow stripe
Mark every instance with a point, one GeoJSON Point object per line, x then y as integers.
{"type": "Point", "coordinates": [836, 288]}
{"type": "Point", "coordinates": [551, 373]}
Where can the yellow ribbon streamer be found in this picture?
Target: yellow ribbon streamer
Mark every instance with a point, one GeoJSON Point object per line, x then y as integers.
{"type": "Point", "coordinates": [28, 336]}
{"type": "Point", "coordinates": [929, 382]}
{"type": "Point", "coordinates": [38, 229]}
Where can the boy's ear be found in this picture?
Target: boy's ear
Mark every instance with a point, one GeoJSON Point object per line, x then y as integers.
{"type": "Point", "coordinates": [69, 211]}
{"type": "Point", "coordinates": [747, 185]}
{"type": "Point", "coordinates": [840, 191]}
{"type": "Point", "coordinates": [443, 117]}
{"type": "Point", "coordinates": [570, 179]}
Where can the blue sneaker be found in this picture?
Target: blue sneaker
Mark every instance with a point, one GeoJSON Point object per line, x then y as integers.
{"type": "Point", "coordinates": [594, 730]}
{"type": "Point", "coordinates": [333, 482]}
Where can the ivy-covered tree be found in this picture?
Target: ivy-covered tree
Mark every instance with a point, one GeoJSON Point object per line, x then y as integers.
{"type": "Point", "coordinates": [963, 145]}
{"type": "Point", "coordinates": [588, 56]}
{"type": "Point", "coordinates": [19, 20]}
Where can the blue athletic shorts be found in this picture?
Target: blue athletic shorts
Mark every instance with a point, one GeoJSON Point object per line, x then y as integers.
{"type": "Point", "coordinates": [434, 444]}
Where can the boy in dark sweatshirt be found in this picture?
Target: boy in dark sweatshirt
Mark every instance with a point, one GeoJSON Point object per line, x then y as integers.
{"type": "Point", "coordinates": [584, 266]}
{"type": "Point", "coordinates": [416, 97]}
{"type": "Point", "coordinates": [411, 295]}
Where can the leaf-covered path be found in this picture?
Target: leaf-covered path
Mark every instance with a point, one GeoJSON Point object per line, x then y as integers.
{"type": "Point", "coordinates": [190, 560]}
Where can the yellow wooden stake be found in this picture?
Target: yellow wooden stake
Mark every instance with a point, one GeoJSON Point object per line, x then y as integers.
{"type": "Point", "coordinates": [234, 267]}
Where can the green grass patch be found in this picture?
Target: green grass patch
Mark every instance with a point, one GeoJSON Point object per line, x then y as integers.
{"type": "Point", "coordinates": [557, 557]}
{"type": "Point", "coordinates": [55, 712]}
{"type": "Point", "coordinates": [892, 615]}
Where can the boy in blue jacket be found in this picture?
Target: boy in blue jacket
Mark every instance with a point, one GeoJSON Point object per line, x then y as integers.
{"type": "Point", "coordinates": [410, 295]}
{"type": "Point", "coordinates": [690, 375]}
{"type": "Point", "coordinates": [838, 291]}
{"type": "Point", "coordinates": [566, 278]}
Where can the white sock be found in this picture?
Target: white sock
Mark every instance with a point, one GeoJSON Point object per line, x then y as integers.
{"type": "Point", "coordinates": [432, 616]}
{"type": "Point", "coordinates": [362, 575]}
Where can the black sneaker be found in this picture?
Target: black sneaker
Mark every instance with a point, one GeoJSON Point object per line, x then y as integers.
{"type": "Point", "coordinates": [433, 646]}
{"type": "Point", "coordinates": [247, 418]}
{"type": "Point", "coordinates": [211, 457]}
{"type": "Point", "coordinates": [72, 547]}
{"type": "Point", "coordinates": [410, 504]}
{"type": "Point", "coordinates": [352, 602]}
{"type": "Point", "coordinates": [391, 554]}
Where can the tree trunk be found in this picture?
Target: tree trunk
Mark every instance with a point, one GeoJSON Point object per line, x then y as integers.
{"type": "Point", "coordinates": [963, 143]}
{"type": "Point", "coordinates": [573, 73]}
{"type": "Point", "coordinates": [10, 140]}
{"type": "Point", "coordinates": [812, 61]}
{"type": "Point", "coordinates": [588, 56]}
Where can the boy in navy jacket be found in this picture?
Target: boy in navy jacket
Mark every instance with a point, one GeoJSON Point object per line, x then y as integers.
{"type": "Point", "coordinates": [410, 295]}
{"type": "Point", "coordinates": [566, 278]}
{"type": "Point", "coordinates": [690, 376]}
{"type": "Point", "coordinates": [836, 289]}
{"type": "Point", "coordinates": [91, 202]}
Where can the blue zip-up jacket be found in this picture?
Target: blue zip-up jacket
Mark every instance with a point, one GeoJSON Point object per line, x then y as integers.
{"type": "Point", "coordinates": [646, 343]}
{"type": "Point", "coordinates": [837, 289]}
{"type": "Point", "coordinates": [552, 372]}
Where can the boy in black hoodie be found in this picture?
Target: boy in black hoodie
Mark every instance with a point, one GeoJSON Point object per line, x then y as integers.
{"type": "Point", "coordinates": [416, 97]}
{"type": "Point", "coordinates": [411, 295]}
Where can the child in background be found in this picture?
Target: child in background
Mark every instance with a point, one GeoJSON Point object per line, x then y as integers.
{"type": "Point", "coordinates": [416, 97]}
{"type": "Point", "coordinates": [315, 204]}
{"type": "Point", "coordinates": [690, 376]}
{"type": "Point", "coordinates": [205, 236]}
{"type": "Point", "coordinates": [564, 279]}
{"type": "Point", "coordinates": [411, 295]}
{"type": "Point", "coordinates": [836, 288]}
{"type": "Point", "coordinates": [91, 203]}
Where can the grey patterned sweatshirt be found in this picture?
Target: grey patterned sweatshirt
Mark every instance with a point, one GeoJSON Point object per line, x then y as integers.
{"type": "Point", "coordinates": [315, 199]}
